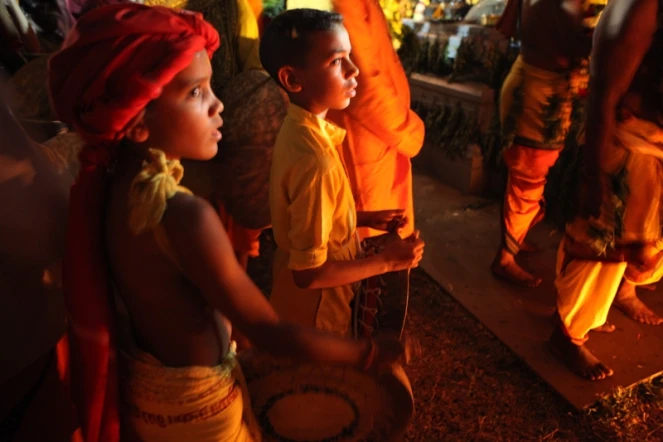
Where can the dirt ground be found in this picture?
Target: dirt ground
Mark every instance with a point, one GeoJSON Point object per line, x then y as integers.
{"type": "Point", "coordinates": [469, 387]}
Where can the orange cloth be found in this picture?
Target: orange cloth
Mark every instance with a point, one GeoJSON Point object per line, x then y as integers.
{"type": "Point", "coordinates": [535, 113]}
{"type": "Point", "coordinates": [523, 199]}
{"type": "Point", "coordinates": [242, 239]}
{"type": "Point", "coordinates": [383, 133]}
{"type": "Point", "coordinates": [113, 63]}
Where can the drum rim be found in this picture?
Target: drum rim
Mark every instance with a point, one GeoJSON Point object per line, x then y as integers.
{"type": "Point", "coordinates": [393, 382]}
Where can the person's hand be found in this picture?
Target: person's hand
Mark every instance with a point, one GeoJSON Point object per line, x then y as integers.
{"type": "Point", "coordinates": [386, 220]}
{"type": "Point", "coordinates": [402, 254]}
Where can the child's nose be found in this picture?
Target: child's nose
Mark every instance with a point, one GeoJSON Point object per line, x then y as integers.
{"type": "Point", "coordinates": [352, 70]}
{"type": "Point", "coordinates": [217, 106]}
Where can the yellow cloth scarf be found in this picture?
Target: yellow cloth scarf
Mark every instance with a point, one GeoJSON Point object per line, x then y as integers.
{"type": "Point", "coordinates": [155, 184]}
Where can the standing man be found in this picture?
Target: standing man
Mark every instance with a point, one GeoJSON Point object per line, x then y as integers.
{"type": "Point", "coordinates": [616, 242]}
{"type": "Point", "coordinates": [535, 112]}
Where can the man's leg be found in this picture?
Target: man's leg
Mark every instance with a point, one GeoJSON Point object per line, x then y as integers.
{"type": "Point", "coordinates": [528, 168]}
{"type": "Point", "coordinates": [585, 291]}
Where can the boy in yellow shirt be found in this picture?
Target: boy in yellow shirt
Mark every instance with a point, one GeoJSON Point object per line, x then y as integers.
{"type": "Point", "coordinates": [307, 52]}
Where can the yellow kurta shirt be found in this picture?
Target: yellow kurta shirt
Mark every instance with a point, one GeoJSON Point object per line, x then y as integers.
{"type": "Point", "coordinates": [313, 218]}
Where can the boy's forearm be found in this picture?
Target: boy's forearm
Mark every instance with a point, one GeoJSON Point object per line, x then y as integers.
{"type": "Point", "coordinates": [337, 273]}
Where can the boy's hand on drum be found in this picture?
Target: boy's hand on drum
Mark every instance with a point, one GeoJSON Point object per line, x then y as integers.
{"type": "Point", "coordinates": [402, 254]}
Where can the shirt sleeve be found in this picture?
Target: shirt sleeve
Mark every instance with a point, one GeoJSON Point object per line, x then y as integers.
{"type": "Point", "coordinates": [312, 190]}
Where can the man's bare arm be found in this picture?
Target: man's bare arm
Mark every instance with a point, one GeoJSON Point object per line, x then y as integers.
{"type": "Point", "coordinates": [623, 37]}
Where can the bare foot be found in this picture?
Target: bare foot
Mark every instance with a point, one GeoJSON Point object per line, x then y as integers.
{"type": "Point", "coordinates": [529, 247]}
{"type": "Point", "coordinates": [627, 301]}
{"type": "Point", "coordinates": [580, 360]}
{"type": "Point", "coordinates": [605, 328]}
{"type": "Point", "coordinates": [504, 266]}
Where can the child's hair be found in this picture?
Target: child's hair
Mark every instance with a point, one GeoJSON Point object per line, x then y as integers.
{"type": "Point", "coordinates": [285, 40]}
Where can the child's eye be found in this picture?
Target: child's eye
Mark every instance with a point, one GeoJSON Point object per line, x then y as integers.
{"type": "Point", "coordinates": [195, 92]}
{"type": "Point", "coordinates": [336, 62]}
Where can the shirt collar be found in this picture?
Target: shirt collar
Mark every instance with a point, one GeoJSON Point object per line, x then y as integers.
{"type": "Point", "coordinates": [335, 134]}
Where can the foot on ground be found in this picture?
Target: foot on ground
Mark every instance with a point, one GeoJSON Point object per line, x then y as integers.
{"type": "Point", "coordinates": [505, 267]}
{"type": "Point", "coordinates": [578, 358]}
{"type": "Point", "coordinates": [627, 301]}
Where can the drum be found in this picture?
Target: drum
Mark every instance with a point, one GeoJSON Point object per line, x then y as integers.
{"type": "Point", "coordinates": [306, 402]}
{"type": "Point", "coordinates": [382, 301]}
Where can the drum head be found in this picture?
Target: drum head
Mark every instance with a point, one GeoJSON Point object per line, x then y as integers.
{"type": "Point", "coordinates": [304, 402]}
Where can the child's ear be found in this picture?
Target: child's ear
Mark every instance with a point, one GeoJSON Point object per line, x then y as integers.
{"type": "Point", "coordinates": [289, 80]}
{"type": "Point", "coordinates": [138, 131]}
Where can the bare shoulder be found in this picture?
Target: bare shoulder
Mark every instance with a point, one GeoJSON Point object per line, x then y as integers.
{"type": "Point", "coordinates": [188, 216]}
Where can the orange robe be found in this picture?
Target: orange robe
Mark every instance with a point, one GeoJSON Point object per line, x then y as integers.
{"type": "Point", "coordinates": [383, 133]}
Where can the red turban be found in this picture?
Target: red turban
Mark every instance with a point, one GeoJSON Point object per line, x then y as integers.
{"type": "Point", "coordinates": [114, 62]}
